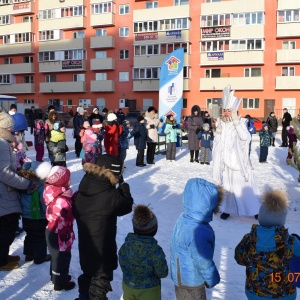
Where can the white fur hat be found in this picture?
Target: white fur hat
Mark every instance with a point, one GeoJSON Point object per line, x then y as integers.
{"type": "Point", "coordinates": [111, 117]}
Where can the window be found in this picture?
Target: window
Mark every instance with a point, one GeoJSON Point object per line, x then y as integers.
{"type": "Point", "coordinates": [69, 11]}
{"type": "Point", "coordinates": [4, 20]}
{"type": "Point", "coordinates": [46, 56]}
{"type": "Point", "coordinates": [7, 61]}
{"type": "Point", "coordinates": [288, 71]}
{"type": "Point", "coordinates": [123, 76]}
{"type": "Point", "coordinates": [46, 35]}
{"type": "Point", "coordinates": [181, 2]}
{"type": "Point", "coordinates": [100, 32]}
{"type": "Point", "coordinates": [285, 16]}
{"type": "Point", "coordinates": [186, 71]}
{"type": "Point", "coordinates": [211, 46]}
{"type": "Point", "coordinates": [251, 103]}
{"type": "Point", "coordinates": [151, 4]}
{"type": "Point", "coordinates": [28, 79]}
{"type": "Point", "coordinates": [5, 79]}
{"type": "Point", "coordinates": [46, 14]}
{"type": "Point", "coordinates": [102, 8]}
{"type": "Point", "coordinates": [101, 76]}
{"type": "Point", "coordinates": [289, 45]}
{"type": "Point", "coordinates": [4, 2]}
{"type": "Point", "coordinates": [78, 35]}
{"type": "Point", "coordinates": [124, 31]}
{"type": "Point", "coordinates": [239, 45]}
{"type": "Point", "coordinates": [247, 18]}
{"type": "Point", "coordinates": [74, 54]}
{"type": "Point", "coordinates": [124, 54]}
{"type": "Point", "coordinates": [27, 59]}
{"type": "Point", "coordinates": [215, 20]}
{"type": "Point", "coordinates": [146, 73]}
{"type": "Point", "coordinates": [253, 72]}
{"type": "Point", "coordinates": [50, 78]}
{"type": "Point", "coordinates": [100, 54]}
{"type": "Point", "coordinates": [69, 102]}
{"type": "Point", "coordinates": [213, 73]}
{"type": "Point", "coordinates": [27, 19]}
{"type": "Point", "coordinates": [78, 77]}
{"type": "Point", "coordinates": [184, 103]}
{"type": "Point", "coordinates": [23, 37]}
{"type": "Point", "coordinates": [124, 9]}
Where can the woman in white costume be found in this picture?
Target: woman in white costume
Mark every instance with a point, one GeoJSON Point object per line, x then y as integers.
{"type": "Point", "coordinates": [231, 163]}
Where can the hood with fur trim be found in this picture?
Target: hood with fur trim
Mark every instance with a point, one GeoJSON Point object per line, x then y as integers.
{"type": "Point", "coordinates": [196, 107]}
{"type": "Point", "coordinates": [151, 116]}
{"type": "Point", "coordinates": [168, 121]}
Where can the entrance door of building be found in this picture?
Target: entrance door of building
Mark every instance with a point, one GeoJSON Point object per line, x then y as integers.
{"type": "Point", "coordinates": [269, 106]}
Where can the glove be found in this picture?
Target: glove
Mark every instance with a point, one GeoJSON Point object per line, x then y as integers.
{"type": "Point", "coordinates": [152, 126]}
{"type": "Point", "coordinates": [31, 187]}
{"type": "Point", "coordinates": [235, 117]}
{"type": "Point", "coordinates": [174, 126]}
{"type": "Point", "coordinates": [161, 120]}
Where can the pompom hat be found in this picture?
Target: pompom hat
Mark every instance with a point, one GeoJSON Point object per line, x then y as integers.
{"type": "Point", "coordinates": [144, 221]}
{"type": "Point", "coordinates": [110, 162]}
{"type": "Point", "coordinates": [273, 210]}
{"type": "Point", "coordinates": [57, 175]}
{"type": "Point", "coordinates": [6, 120]}
{"type": "Point", "coordinates": [95, 109]}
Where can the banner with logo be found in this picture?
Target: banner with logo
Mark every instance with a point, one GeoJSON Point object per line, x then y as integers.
{"type": "Point", "coordinates": [171, 85]}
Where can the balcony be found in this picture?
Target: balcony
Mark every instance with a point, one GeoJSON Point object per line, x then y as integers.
{"type": "Point", "coordinates": [288, 56]}
{"type": "Point", "coordinates": [237, 83]}
{"type": "Point", "coordinates": [70, 44]}
{"type": "Point", "coordinates": [247, 31]}
{"type": "Point", "coordinates": [288, 29]}
{"type": "Point", "coordinates": [155, 60]}
{"type": "Point", "coordinates": [18, 8]}
{"type": "Point", "coordinates": [152, 85]}
{"type": "Point", "coordinates": [102, 86]}
{"type": "Point", "coordinates": [16, 28]}
{"type": "Point", "coordinates": [283, 4]}
{"type": "Point", "coordinates": [233, 58]}
{"type": "Point", "coordinates": [103, 63]}
{"type": "Point", "coordinates": [63, 23]}
{"type": "Point", "coordinates": [236, 6]}
{"type": "Point", "coordinates": [107, 19]}
{"type": "Point", "coordinates": [17, 88]}
{"type": "Point", "coordinates": [46, 4]}
{"type": "Point", "coordinates": [287, 83]}
{"type": "Point", "coordinates": [17, 68]}
{"type": "Point", "coordinates": [103, 42]}
{"type": "Point", "coordinates": [62, 66]}
{"type": "Point", "coordinates": [22, 48]}
{"type": "Point", "coordinates": [62, 87]}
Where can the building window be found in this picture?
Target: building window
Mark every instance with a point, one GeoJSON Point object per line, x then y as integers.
{"type": "Point", "coordinates": [186, 72]}
{"type": "Point", "coordinates": [46, 56]}
{"type": "Point", "coordinates": [146, 73]}
{"type": "Point", "coordinates": [124, 54]}
{"type": "Point", "coordinates": [213, 73]}
{"type": "Point", "coordinates": [102, 8]}
{"type": "Point", "coordinates": [69, 102]}
{"type": "Point", "coordinates": [181, 2]}
{"type": "Point", "coordinates": [247, 18]}
{"type": "Point", "coordinates": [238, 45]}
{"type": "Point", "coordinates": [209, 1]}
{"type": "Point", "coordinates": [4, 20]}
{"type": "Point", "coordinates": [123, 76]}
{"type": "Point", "coordinates": [100, 54]}
{"type": "Point", "coordinates": [4, 79]}
{"type": "Point", "coordinates": [7, 60]}
{"type": "Point", "coordinates": [285, 16]}
{"type": "Point", "coordinates": [215, 46]}
{"type": "Point", "coordinates": [124, 9]}
{"type": "Point", "coordinates": [288, 71]}
{"type": "Point", "coordinates": [78, 77]}
{"type": "Point", "coordinates": [50, 78]}
{"type": "Point", "coordinates": [74, 54]}
{"type": "Point", "coordinates": [124, 31]}
{"type": "Point", "coordinates": [28, 101]}
{"type": "Point", "coordinates": [23, 37]}
{"type": "Point", "coordinates": [78, 34]}
{"type": "Point", "coordinates": [289, 45]}
{"type": "Point", "coordinates": [215, 20]}
{"type": "Point", "coordinates": [184, 103]}
{"type": "Point", "coordinates": [5, 2]}
{"type": "Point", "coordinates": [27, 59]}
{"type": "Point", "coordinates": [28, 79]}
{"type": "Point", "coordinates": [27, 19]}
{"type": "Point", "coordinates": [101, 32]}
{"type": "Point", "coordinates": [46, 35]}
{"type": "Point", "coordinates": [151, 4]}
{"type": "Point", "coordinates": [251, 103]}
{"type": "Point", "coordinates": [253, 72]}
{"type": "Point", "coordinates": [101, 76]}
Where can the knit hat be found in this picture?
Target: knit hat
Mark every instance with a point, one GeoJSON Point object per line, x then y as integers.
{"type": "Point", "coordinates": [57, 175]}
{"type": "Point", "coordinates": [86, 124]}
{"type": "Point", "coordinates": [140, 118]}
{"type": "Point", "coordinates": [105, 110]}
{"type": "Point", "coordinates": [110, 162]}
{"type": "Point", "coordinates": [144, 221]}
{"type": "Point", "coordinates": [273, 210]}
{"type": "Point", "coordinates": [80, 110]}
{"type": "Point", "coordinates": [151, 108]}
{"type": "Point", "coordinates": [111, 117]}
{"type": "Point", "coordinates": [13, 106]}
{"type": "Point", "coordinates": [95, 108]}
{"type": "Point", "coordinates": [205, 125]}
{"type": "Point", "coordinates": [6, 120]}
{"type": "Point", "coordinates": [58, 125]}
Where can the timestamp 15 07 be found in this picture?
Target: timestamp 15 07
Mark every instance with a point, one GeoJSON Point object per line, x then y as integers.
{"type": "Point", "coordinates": [291, 277]}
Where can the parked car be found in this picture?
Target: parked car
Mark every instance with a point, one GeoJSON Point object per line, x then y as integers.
{"type": "Point", "coordinates": [132, 117]}
{"type": "Point", "coordinates": [257, 124]}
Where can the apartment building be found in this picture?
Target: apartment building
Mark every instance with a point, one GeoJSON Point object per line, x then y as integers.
{"type": "Point", "coordinates": [109, 53]}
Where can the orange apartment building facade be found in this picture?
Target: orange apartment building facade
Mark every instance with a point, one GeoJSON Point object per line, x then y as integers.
{"type": "Point", "coordinates": [108, 53]}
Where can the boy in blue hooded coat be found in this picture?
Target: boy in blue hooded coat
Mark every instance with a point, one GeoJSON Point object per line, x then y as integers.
{"type": "Point", "coordinates": [193, 241]}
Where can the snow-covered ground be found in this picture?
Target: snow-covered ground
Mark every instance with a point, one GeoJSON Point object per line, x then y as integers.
{"type": "Point", "coordinates": [161, 185]}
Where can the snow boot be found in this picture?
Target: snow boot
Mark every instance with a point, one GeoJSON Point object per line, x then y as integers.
{"type": "Point", "coordinates": [10, 266]}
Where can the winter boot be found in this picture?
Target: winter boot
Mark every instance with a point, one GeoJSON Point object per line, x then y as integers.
{"type": "Point", "coordinates": [10, 266]}
{"type": "Point", "coordinates": [13, 258]}
{"type": "Point", "coordinates": [192, 155]}
{"type": "Point", "coordinates": [40, 261]}
{"type": "Point", "coordinates": [273, 142]}
{"type": "Point", "coordinates": [69, 285]}
{"type": "Point", "coordinates": [196, 156]}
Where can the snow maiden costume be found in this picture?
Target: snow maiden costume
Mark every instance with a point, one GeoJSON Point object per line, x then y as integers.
{"type": "Point", "coordinates": [231, 164]}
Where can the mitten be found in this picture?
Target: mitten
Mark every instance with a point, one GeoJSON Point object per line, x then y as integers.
{"type": "Point", "coordinates": [174, 126]}
{"type": "Point", "coordinates": [161, 120]}
{"type": "Point", "coordinates": [235, 117]}
{"type": "Point", "coordinates": [152, 126]}
{"type": "Point", "coordinates": [31, 187]}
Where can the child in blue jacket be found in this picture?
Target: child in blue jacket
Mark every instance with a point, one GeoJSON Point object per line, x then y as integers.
{"type": "Point", "coordinates": [206, 138]}
{"type": "Point", "coordinates": [265, 136]}
{"type": "Point", "coordinates": [193, 241]}
{"type": "Point", "coordinates": [266, 251]}
{"type": "Point", "coordinates": [33, 217]}
{"type": "Point", "coordinates": [142, 260]}
{"type": "Point", "coordinates": [171, 131]}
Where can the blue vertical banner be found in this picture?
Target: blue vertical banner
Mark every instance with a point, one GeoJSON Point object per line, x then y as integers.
{"type": "Point", "coordinates": [171, 85]}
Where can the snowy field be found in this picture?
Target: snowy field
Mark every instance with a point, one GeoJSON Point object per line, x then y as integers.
{"type": "Point", "coordinates": [161, 185]}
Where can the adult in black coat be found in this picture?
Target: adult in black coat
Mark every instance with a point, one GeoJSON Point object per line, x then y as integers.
{"type": "Point", "coordinates": [286, 121]}
{"type": "Point", "coordinates": [78, 121]}
{"type": "Point", "coordinates": [273, 125]}
{"type": "Point", "coordinates": [97, 206]}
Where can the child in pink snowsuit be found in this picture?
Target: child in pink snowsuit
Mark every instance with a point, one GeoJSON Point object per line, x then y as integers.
{"type": "Point", "coordinates": [40, 133]}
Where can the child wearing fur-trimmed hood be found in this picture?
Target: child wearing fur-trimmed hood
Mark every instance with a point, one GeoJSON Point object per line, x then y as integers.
{"type": "Point", "coordinates": [266, 251]}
